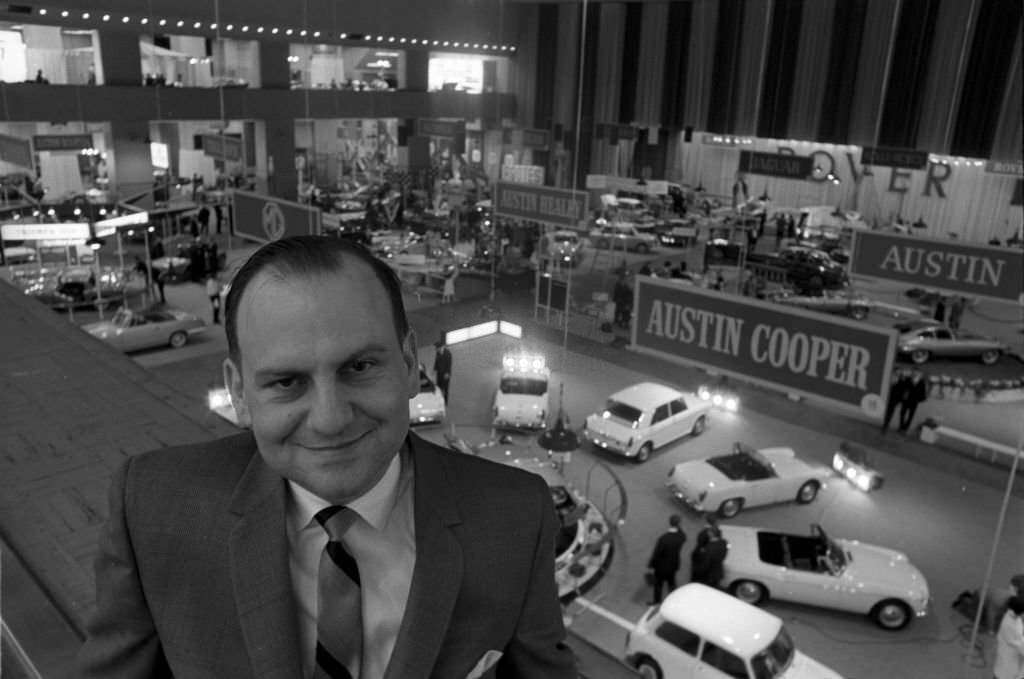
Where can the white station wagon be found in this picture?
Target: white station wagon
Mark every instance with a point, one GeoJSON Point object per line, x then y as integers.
{"type": "Point", "coordinates": [699, 631]}
{"type": "Point", "coordinates": [646, 416]}
{"type": "Point", "coordinates": [819, 570]}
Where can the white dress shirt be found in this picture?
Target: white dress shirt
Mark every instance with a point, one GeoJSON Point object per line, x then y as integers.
{"type": "Point", "coordinates": [1009, 663]}
{"type": "Point", "coordinates": [383, 543]}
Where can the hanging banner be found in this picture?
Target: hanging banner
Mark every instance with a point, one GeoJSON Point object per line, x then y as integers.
{"type": "Point", "coordinates": [559, 207]}
{"type": "Point", "coordinates": [222, 147]}
{"type": "Point", "coordinates": [265, 218]}
{"type": "Point", "coordinates": [947, 265]}
{"type": "Point", "coordinates": [61, 142]}
{"type": "Point", "coordinates": [523, 174]}
{"type": "Point", "coordinates": [905, 158]}
{"type": "Point", "coordinates": [1010, 167]}
{"type": "Point", "coordinates": [73, 231]}
{"type": "Point", "coordinates": [15, 151]}
{"type": "Point", "coordinates": [776, 164]}
{"type": "Point", "coordinates": [445, 129]}
{"type": "Point", "coordinates": [839, 361]}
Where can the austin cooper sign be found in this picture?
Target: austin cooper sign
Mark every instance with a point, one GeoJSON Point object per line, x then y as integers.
{"type": "Point", "coordinates": [946, 265]}
{"type": "Point", "coordinates": [831, 359]}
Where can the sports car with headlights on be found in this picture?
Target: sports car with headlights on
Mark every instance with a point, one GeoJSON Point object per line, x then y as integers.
{"type": "Point", "coordinates": [925, 342]}
{"type": "Point", "coordinates": [819, 570]}
{"type": "Point", "coordinates": [746, 478]}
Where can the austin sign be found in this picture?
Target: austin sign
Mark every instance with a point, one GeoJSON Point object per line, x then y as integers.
{"type": "Point", "coordinates": [265, 218]}
{"type": "Point", "coordinates": [830, 359]}
{"type": "Point", "coordinates": [559, 207]}
{"type": "Point", "coordinates": [947, 265]}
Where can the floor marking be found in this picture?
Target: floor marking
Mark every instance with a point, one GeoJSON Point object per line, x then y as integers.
{"type": "Point", "coordinates": [604, 613]}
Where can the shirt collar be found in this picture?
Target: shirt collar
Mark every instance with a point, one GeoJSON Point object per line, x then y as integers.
{"type": "Point", "coordinates": [374, 505]}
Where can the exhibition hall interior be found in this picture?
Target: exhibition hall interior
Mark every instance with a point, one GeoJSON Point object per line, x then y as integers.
{"type": "Point", "coordinates": [755, 264]}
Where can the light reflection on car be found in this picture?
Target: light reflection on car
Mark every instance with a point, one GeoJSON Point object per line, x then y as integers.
{"type": "Point", "coordinates": [521, 400]}
{"type": "Point", "coordinates": [427, 406]}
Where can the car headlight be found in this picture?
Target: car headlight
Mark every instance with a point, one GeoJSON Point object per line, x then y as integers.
{"type": "Point", "coordinates": [732, 404]}
{"type": "Point", "coordinates": [717, 399]}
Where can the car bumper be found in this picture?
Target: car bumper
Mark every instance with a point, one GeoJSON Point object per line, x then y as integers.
{"type": "Point", "coordinates": [606, 443]}
{"type": "Point", "coordinates": [691, 502]}
{"type": "Point", "coordinates": [516, 423]}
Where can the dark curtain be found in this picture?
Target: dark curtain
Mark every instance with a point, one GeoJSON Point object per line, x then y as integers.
{"type": "Point", "coordinates": [841, 81]}
{"type": "Point", "coordinates": [725, 73]}
{"type": "Point", "coordinates": [780, 67]}
{"type": "Point", "coordinates": [677, 48]}
{"type": "Point", "coordinates": [904, 95]}
{"type": "Point", "coordinates": [630, 61]}
{"type": "Point", "coordinates": [589, 76]}
{"type": "Point", "coordinates": [985, 78]}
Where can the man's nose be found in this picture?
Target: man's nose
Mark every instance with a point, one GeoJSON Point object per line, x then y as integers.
{"type": "Point", "coordinates": [331, 411]}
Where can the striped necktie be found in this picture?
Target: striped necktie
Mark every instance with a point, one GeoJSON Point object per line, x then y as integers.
{"type": "Point", "coordinates": [339, 624]}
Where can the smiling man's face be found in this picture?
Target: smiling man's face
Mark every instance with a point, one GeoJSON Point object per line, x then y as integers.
{"type": "Point", "coordinates": [324, 380]}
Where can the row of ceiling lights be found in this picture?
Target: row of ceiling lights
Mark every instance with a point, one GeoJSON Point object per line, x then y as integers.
{"type": "Point", "coordinates": [274, 30]}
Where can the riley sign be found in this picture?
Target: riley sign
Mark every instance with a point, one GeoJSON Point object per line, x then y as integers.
{"type": "Point", "coordinates": [947, 265]}
{"type": "Point", "coordinates": [831, 359]}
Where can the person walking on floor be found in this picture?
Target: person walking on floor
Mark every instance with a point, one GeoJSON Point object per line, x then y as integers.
{"type": "Point", "coordinates": [448, 293]}
{"type": "Point", "coordinates": [708, 557]}
{"type": "Point", "coordinates": [1009, 662]}
{"type": "Point", "coordinates": [940, 310]}
{"type": "Point", "coordinates": [956, 312]}
{"type": "Point", "coordinates": [897, 391]}
{"type": "Point", "coordinates": [915, 394]}
{"type": "Point", "coordinates": [161, 281]}
{"type": "Point", "coordinates": [442, 368]}
{"type": "Point", "coordinates": [664, 561]}
{"type": "Point", "coordinates": [213, 292]}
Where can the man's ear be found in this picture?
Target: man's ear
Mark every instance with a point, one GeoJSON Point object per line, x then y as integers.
{"type": "Point", "coordinates": [233, 381]}
{"type": "Point", "coordinates": [412, 363]}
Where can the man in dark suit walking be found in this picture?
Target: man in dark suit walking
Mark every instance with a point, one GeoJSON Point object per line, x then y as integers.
{"type": "Point", "coordinates": [915, 394]}
{"type": "Point", "coordinates": [442, 368]}
{"type": "Point", "coordinates": [232, 558]}
{"type": "Point", "coordinates": [664, 561]}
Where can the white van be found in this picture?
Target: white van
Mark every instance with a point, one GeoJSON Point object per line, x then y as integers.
{"type": "Point", "coordinates": [699, 631]}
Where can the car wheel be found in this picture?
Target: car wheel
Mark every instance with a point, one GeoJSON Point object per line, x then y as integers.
{"type": "Point", "coordinates": [807, 493]}
{"type": "Point", "coordinates": [920, 356]}
{"type": "Point", "coordinates": [642, 248]}
{"type": "Point", "coordinates": [991, 356]}
{"type": "Point", "coordinates": [178, 340]}
{"type": "Point", "coordinates": [699, 426]}
{"type": "Point", "coordinates": [748, 591]}
{"type": "Point", "coordinates": [859, 313]}
{"type": "Point", "coordinates": [648, 668]}
{"type": "Point", "coordinates": [891, 614]}
{"type": "Point", "coordinates": [644, 453]}
{"type": "Point", "coordinates": [730, 507]}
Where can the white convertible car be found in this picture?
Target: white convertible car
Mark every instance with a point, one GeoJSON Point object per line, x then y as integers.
{"type": "Point", "coordinates": [746, 478]}
{"type": "Point", "coordinates": [819, 570]}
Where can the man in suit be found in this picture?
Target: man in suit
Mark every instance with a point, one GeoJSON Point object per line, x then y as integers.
{"type": "Point", "coordinates": [442, 367]}
{"type": "Point", "coordinates": [214, 555]}
{"type": "Point", "coordinates": [915, 393]}
{"type": "Point", "coordinates": [664, 561]}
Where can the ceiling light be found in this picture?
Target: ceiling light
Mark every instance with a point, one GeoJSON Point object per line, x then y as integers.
{"type": "Point", "coordinates": [143, 21]}
{"type": "Point", "coordinates": [245, 29]}
{"type": "Point", "coordinates": [106, 17]}
{"type": "Point", "coordinates": [445, 43]}
{"type": "Point", "coordinates": [163, 22]}
{"type": "Point", "coordinates": [303, 32]}
{"type": "Point", "coordinates": [180, 23]}
{"type": "Point", "coordinates": [435, 42]}
{"type": "Point", "coordinates": [259, 30]}
{"type": "Point", "coordinates": [274, 30]}
{"type": "Point", "coordinates": [343, 36]}
{"type": "Point", "coordinates": [125, 20]}
{"type": "Point", "coordinates": [85, 15]}
{"type": "Point", "coordinates": [512, 48]}
{"type": "Point", "coordinates": [380, 38]}
{"type": "Point", "coordinates": [229, 27]}
{"type": "Point", "coordinates": [42, 12]}
{"type": "Point", "coordinates": [196, 25]}
{"type": "Point", "coordinates": [64, 13]}
{"type": "Point", "coordinates": [476, 46]}
{"type": "Point", "coordinates": [288, 32]}
{"type": "Point", "coordinates": [316, 34]}
{"type": "Point", "coordinates": [213, 27]}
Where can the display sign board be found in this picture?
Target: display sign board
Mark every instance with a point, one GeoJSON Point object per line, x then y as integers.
{"type": "Point", "coordinates": [265, 218]}
{"type": "Point", "coordinates": [447, 129]}
{"type": "Point", "coordinates": [77, 231]}
{"type": "Point", "coordinates": [523, 174]}
{"type": "Point", "coordinates": [888, 157]}
{"type": "Point", "coordinates": [827, 358]}
{"type": "Point", "coordinates": [536, 139]}
{"type": "Point", "coordinates": [15, 151]}
{"type": "Point", "coordinates": [947, 265]}
{"type": "Point", "coordinates": [1010, 167]}
{"type": "Point", "coordinates": [61, 142]}
{"type": "Point", "coordinates": [106, 227]}
{"type": "Point", "coordinates": [559, 207]}
{"type": "Point", "coordinates": [222, 147]}
{"type": "Point", "coordinates": [776, 164]}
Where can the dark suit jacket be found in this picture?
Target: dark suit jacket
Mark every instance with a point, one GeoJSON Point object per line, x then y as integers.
{"type": "Point", "coordinates": [665, 558]}
{"type": "Point", "coordinates": [193, 579]}
{"type": "Point", "coordinates": [443, 364]}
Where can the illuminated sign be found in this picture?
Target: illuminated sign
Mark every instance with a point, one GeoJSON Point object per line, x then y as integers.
{"type": "Point", "coordinates": [75, 231]}
{"type": "Point", "coordinates": [523, 174]}
{"type": "Point", "coordinates": [832, 359]}
{"type": "Point", "coordinates": [446, 129]}
{"type": "Point", "coordinates": [264, 219]}
{"type": "Point", "coordinates": [561, 207]}
{"type": "Point", "coordinates": [105, 227]}
{"type": "Point", "coordinates": [906, 158]}
{"type": "Point", "coordinates": [483, 330]}
{"type": "Point", "coordinates": [776, 164]}
{"type": "Point", "coordinates": [1010, 167]}
{"type": "Point", "coordinates": [222, 147]}
{"type": "Point", "coordinates": [947, 265]}
{"type": "Point", "coordinates": [159, 156]}
{"type": "Point", "coordinates": [61, 142]}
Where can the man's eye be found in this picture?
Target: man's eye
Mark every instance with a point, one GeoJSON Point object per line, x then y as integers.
{"type": "Point", "coordinates": [285, 384]}
{"type": "Point", "coordinates": [359, 367]}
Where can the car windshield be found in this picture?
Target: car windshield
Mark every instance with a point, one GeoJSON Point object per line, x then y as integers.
{"type": "Point", "coordinates": [530, 386]}
{"type": "Point", "coordinates": [122, 318]}
{"type": "Point", "coordinates": [836, 557]}
{"type": "Point", "coordinates": [774, 660]}
{"type": "Point", "coordinates": [621, 411]}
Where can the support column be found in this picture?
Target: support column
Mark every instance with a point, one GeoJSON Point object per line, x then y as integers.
{"type": "Point", "coordinates": [282, 179]}
{"type": "Point", "coordinates": [417, 70]}
{"type": "Point", "coordinates": [274, 66]}
{"type": "Point", "coordinates": [121, 58]}
{"type": "Point", "coordinates": [132, 168]}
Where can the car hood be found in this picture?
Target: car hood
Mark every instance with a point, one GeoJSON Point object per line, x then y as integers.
{"type": "Point", "coordinates": [518, 404]}
{"type": "Point", "coordinates": [880, 567]}
{"type": "Point", "coordinates": [695, 476]}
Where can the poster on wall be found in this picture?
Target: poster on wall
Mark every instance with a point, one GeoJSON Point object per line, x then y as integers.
{"type": "Point", "coordinates": [830, 359]}
{"type": "Point", "coordinates": [266, 218]}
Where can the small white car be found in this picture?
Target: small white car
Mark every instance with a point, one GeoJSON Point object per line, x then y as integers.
{"type": "Point", "coordinates": [699, 631]}
{"type": "Point", "coordinates": [521, 400]}
{"type": "Point", "coordinates": [819, 570]}
{"type": "Point", "coordinates": [746, 478]}
{"type": "Point", "coordinates": [646, 416]}
{"type": "Point", "coordinates": [426, 407]}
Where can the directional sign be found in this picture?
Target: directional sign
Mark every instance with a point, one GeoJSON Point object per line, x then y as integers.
{"type": "Point", "coordinates": [265, 218]}
{"type": "Point", "coordinates": [78, 231]}
{"type": "Point", "coordinates": [61, 142]}
{"type": "Point", "coordinates": [560, 207]}
{"type": "Point", "coordinates": [222, 147]}
{"type": "Point", "coordinates": [947, 265]}
{"type": "Point", "coordinates": [776, 164]}
{"type": "Point", "coordinates": [831, 359]}
{"type": "Point", "coordinates": [15, 150]}
{"type": "Point", "coordinates": [905, 158]}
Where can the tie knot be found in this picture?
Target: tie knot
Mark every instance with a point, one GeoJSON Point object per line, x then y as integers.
{"type": "Point", "coordinates": [336, 520]}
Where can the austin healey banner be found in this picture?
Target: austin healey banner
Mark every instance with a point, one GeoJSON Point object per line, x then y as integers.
{"type": "Point", "coordinates": [946, 265]}
{"type": "Point", "coordinates": [830, 359]}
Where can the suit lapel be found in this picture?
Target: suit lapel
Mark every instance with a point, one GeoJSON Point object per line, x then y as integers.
{"type": "Point", "coordinates": [437, 575]}
{"type": "Point", "coordinates": [260, 573]}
